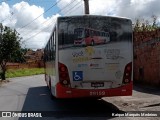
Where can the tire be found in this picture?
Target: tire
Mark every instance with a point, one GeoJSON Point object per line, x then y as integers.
{"type": "Point", "coordinates": [51, 95]}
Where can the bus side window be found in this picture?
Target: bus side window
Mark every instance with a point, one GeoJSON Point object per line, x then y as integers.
{"type": "Point", "coordinates": [44, 58]}
{"type": "Point", "coordinates": [49, 50]}
{"type": "Point", "coordinates": [52, 47]}
{"type": "Point", "coordinates": [54, 44]}
{"type": "Point", "coordinates": [47, 53]}
{"type": "Point", "coordinates": [63, 37]}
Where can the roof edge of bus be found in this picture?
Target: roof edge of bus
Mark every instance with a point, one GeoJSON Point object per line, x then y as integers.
{"type": "Point", "coordinates": [95, 16]}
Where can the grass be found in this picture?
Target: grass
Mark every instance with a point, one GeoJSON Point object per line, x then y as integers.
{"type": "Point", "coordinates": [24, 72]}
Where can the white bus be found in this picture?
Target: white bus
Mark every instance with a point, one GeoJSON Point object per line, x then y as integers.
{"type": "Point", "coordinates": [94, 70]}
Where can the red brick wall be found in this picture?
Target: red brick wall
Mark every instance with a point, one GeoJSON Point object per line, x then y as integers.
{"type": "Point", "coordinates": [39, 64]}
{"type": "Point", "coordinates": [147, 57]}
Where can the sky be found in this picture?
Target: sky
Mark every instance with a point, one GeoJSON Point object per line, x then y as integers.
{"type": "Point", "coordinates": [35, 19]}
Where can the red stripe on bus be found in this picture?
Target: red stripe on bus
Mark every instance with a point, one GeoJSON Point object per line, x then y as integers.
{"type": "Point", "coordinates": [64, 92]}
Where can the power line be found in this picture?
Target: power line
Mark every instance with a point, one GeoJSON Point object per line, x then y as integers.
{"type": "Point", "coordinates": [39, 15]}
{"type": "Point", "coordinates": [57, 13]}
{"type": "Point", "coordinates": [74, 7]}
{"type": "Point", "coordinates": [50, 23]}
{"type": "Point", "coordinates": [7, 17]}
{"type": "Point", "coordinates": [38, 32]}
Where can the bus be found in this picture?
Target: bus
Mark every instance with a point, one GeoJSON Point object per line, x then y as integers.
{"type": "Point", "coordinates": [87, 36]}
{"type": "Point", "coordinates": [93, 71]}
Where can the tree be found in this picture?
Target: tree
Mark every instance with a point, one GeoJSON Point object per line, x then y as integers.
{"type": "Point", "coordinates": [145, 25]}
{"type": "Point", "coordinates": [154, 25]}
{"type": "Point", "coordinates": [9, 47]}
{"type": "Point", "coordinates": [19, 56]}
{"type": "Point", "coordinates": [137, 25]}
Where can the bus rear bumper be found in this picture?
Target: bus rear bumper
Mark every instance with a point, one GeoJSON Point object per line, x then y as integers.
{"type": "Point", "coordinates": [64, 92]}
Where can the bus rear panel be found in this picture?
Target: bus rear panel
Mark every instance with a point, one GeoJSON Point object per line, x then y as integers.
{"type": "Point", "coordinates": [95, 68]}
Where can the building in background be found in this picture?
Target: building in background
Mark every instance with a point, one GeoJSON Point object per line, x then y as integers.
{"type": "Point", "coordinates": [34, 59]}
{"type": "Point", "coordinates": [34, 56]}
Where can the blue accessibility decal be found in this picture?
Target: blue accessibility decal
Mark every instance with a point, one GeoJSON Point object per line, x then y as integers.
{"type": "Point", "coordinates": [77, 75]}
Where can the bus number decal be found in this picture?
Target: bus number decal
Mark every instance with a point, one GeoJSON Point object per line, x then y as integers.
{"type": "Point", "coordinates": [100, 93]}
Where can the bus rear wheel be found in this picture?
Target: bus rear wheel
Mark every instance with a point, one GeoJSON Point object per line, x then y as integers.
{"type": "Point", "coordinates": [51, 95]}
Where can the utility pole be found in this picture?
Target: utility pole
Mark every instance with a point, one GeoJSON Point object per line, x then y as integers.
{"type": "Point", "coordinates": [86, 6]}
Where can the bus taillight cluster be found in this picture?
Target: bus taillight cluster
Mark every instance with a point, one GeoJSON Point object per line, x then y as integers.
{"type": "Point", "coordinates": [127, 73]}
{"type": "Point", "coordinates": [63, 75]}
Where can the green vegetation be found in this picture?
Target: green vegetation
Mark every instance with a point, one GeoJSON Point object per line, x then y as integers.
{"type": "Point", "coordinates": [142, 25]}
{"type": "Point", "coordinates": [10, 48]}
{"type": "Point", "coordinates": [24, 72]}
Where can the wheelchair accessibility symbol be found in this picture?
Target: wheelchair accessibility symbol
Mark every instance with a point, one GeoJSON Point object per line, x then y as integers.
{"type": "Point", "coordinates": [77, 75]}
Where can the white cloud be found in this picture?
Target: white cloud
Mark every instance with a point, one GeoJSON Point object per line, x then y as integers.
{"type": "Point", "coordinates": [25, 13]}
{"type": "Point", "coordinates": [125, 8]}
{"type": "Point", "coordinates": [38, 41]}
{"type": "Point", "coordinates": [5, 14]}
{"type": "Point", "coordinates": [138, 8]}
{"type": "Point", "coordinates": [4, 11]}
{"type": "Point", "coordinates": [21, 13]}
{"type": "Point", "coordinates": [103, 7]}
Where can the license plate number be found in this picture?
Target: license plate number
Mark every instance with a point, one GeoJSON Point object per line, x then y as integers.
{"type": "Point", "coordinates": [97, 93]}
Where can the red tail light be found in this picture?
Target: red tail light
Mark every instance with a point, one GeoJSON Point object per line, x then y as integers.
{"type": "Point", "coordinates": [127, 73]}
{"type": "Point", "coordinates": [63, 75]}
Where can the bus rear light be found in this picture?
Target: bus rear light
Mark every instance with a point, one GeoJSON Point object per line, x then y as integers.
{"type": "Point", "coordinates": [62, 69]}
{"type": "Point", "coordinates": [127, 73]}
{"type": "Point", "coordinates": [65, 82]}
{"type": "Point", "coordinates": [126, 80]}
{"type": "Point", "coordinates": [128, 68]}
{"type": "Point", "coordinates": [63, 75]}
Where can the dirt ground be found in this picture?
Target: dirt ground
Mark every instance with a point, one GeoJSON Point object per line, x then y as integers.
{"type": "Point", "coordinates": [144, 98]}
{"type": "Point", "coordinates": [3, 82]}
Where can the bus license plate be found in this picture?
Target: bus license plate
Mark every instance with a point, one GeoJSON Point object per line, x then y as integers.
{"type": "Point", "coordinates": [97, 84]}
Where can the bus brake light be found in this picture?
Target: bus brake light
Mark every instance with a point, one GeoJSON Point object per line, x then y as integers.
{"type": "Point", "coordinates": [127, 73]}
{"type": "Point", "coordinates": [63, 75]}
{"type": "Point", "coordinates": [62, 69]}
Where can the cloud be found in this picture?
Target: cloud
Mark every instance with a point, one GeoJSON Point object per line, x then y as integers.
{"type": "Point", "coordinates": [138, 8]}
{"type": "Point", "coordinates": [76, 7]}
{"type": "Point", "coordinates": [71, 7]}
{"type": "Point", "coordinates": [5, 14]}
{"type": "Point", "coordinates": [102, 7]}
{"type": "Point", "coordinates": [125, 8]}
{"type": "Point", "coordinates": [20, 15]}
{"type": "Point", "coordinates": [25, 13]}
{"type": "Point", "coordinates": [38, 41]}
